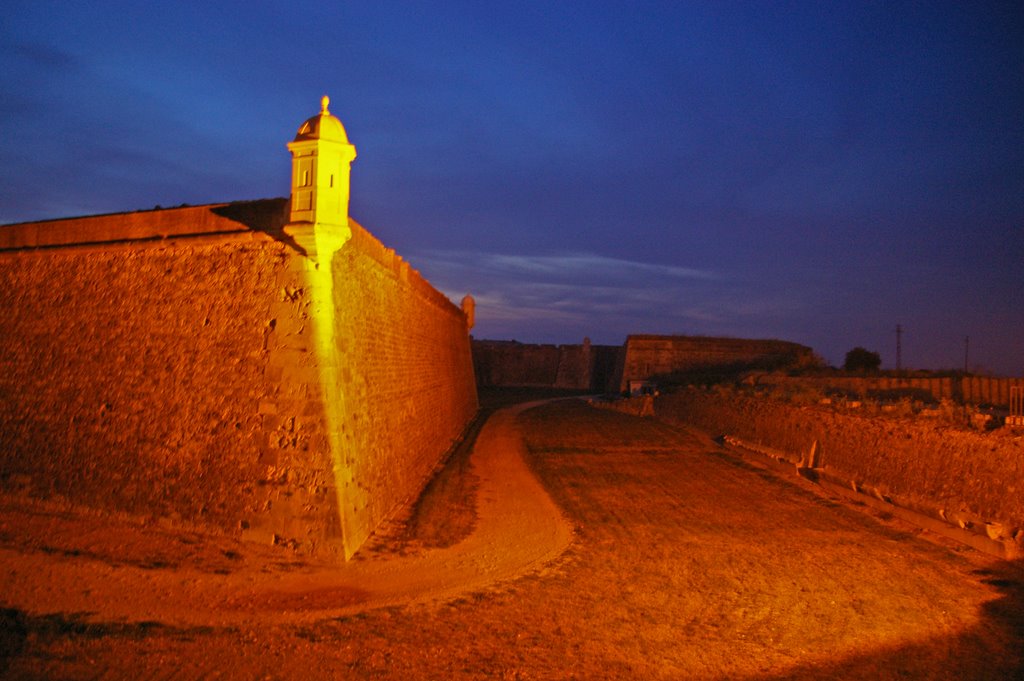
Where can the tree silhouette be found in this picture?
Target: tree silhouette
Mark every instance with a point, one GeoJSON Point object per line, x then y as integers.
{"type": "Point", "coordinates": [860, 359]}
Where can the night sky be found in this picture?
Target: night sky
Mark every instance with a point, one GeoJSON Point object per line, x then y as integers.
{"type": "Point", "coordinates": [811, 171]}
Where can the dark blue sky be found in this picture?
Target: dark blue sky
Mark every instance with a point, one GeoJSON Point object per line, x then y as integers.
{"type": "Point", "coordinates": [813, 171]}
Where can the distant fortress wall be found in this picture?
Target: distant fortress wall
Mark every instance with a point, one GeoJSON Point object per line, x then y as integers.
{"type": "Point", "coordinates": [513, 364]}
{"type": "Point", "coordinates": [661, 357]}
{"type": "Point", "coordinates": [610, 369]}
{"type": "Point", "coordinates": [163, 364]}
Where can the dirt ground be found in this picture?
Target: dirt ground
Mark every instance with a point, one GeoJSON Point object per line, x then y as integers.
{"type": "Point", "coordinates": [645, 551]}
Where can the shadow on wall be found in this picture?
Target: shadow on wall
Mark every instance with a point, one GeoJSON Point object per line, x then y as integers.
{"type": "Point", "coordinates": [268, 216]}
{"type": "Point", "coordinates": [980, 652]}
{"type": "Point", "coordinates": [712, 374]}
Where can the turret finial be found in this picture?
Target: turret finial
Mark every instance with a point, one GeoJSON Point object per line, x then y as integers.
{"type": "Point", "coordinates": [324, 101]}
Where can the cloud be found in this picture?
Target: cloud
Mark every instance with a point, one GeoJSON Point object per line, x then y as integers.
{"type": "Point", "coordinates": [574, 265]}
{"type": "Point", "coordinates": [571, 267]}
{"type": "Point", "coordinates": [562, 297]}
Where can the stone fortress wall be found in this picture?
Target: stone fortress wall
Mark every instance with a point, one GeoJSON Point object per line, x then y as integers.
{"type": "Point", "coordinates": [407, 378]}
{"type": "Point", "coordinates": [163, 364]}
{"type": "Point", "coordinates": [611, 369]}
{"type": "Point", "coordinates": [573, 367]}
{"type": "Point", "coordinates": [649, 357]}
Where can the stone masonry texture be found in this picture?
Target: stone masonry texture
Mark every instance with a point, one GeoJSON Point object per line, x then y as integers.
{"type": "Point", "coordinates": [407, 377]}
{"type": "Point", "coordinates": [579, 367]}
{"type": "Point", "coordinates": [176, 378]}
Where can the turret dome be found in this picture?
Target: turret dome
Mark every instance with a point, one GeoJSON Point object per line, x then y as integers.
{"type": "Point", "coordinates": [323, 126]}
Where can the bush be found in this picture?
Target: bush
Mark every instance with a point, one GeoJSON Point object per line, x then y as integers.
{"type": "Point", "coordinates": [863, 360]}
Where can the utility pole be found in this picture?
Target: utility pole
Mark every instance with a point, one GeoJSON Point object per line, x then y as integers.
{"type": "Point", "coordinates": [967, 346]}
{"type": "Point", "coordinates": [899, 348]}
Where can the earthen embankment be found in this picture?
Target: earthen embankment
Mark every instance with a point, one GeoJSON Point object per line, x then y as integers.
{"type": "Point", "coordinates": [978, 390]}
{"type": "Point", "coordinates": [927, 466]}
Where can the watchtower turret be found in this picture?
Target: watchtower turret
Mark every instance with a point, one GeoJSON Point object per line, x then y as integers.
{"type": "Point", "coordinates": [321, 163]}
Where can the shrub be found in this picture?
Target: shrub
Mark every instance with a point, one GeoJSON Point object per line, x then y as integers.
{"type": "Point", "coordinates": [863, 360]}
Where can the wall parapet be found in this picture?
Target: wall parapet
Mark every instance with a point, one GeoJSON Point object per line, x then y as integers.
{"type": "Point", "coordinates": [372, 247]}
{"type": "Point", "coordinates": [263, 215]}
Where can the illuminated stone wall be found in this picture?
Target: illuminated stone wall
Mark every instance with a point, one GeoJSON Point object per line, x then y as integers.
{"type": "Point", "coordinates": [407, 379]}
{"type": "Point", "coordinates": [132, 376]}
{"type": "Point", "coordinates": [168, 369]}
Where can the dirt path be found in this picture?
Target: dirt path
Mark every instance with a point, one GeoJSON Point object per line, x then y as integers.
{"type": "Point", "coordinates": [518, 528]}
{"type": "Point", "coordinates": [686, 563]}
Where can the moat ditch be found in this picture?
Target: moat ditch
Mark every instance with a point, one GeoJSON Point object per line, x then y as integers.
{"type": "Point", "coordinates": [685, 562]}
